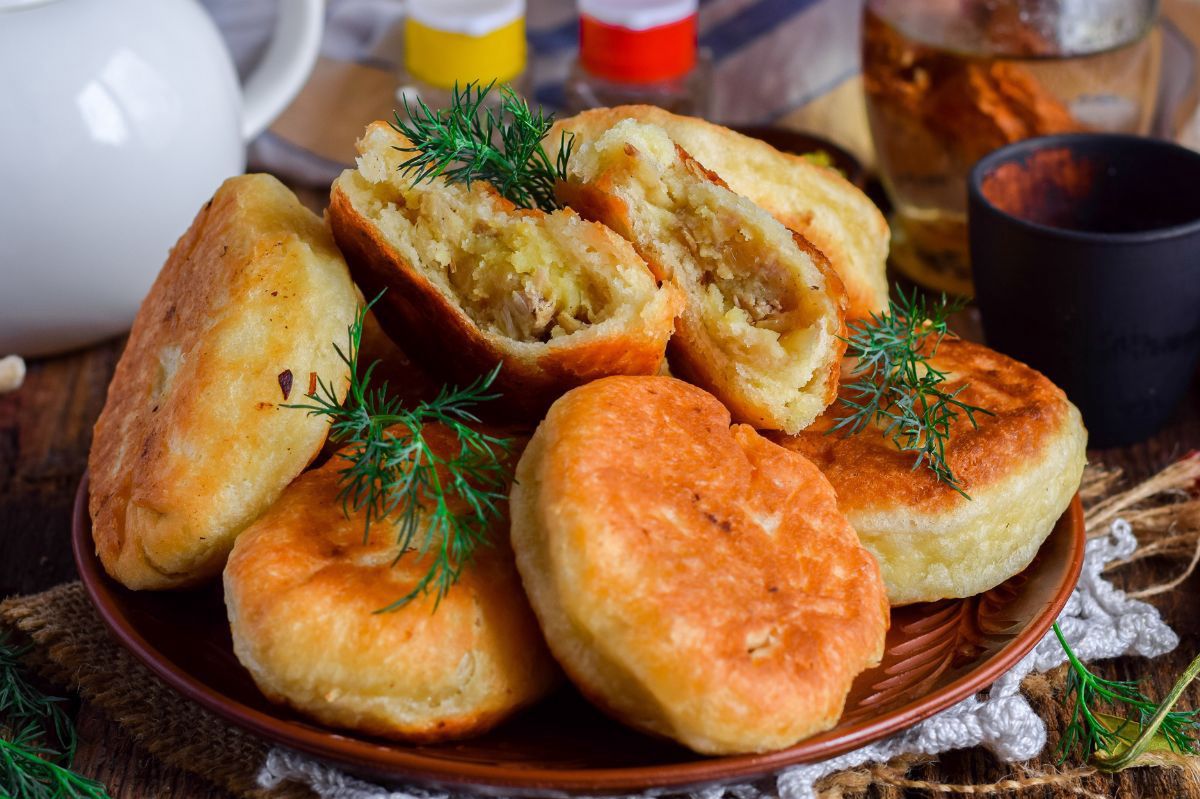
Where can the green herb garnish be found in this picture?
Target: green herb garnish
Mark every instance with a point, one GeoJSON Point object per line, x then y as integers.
{"type": "Point", "coordinates": [897, 387]}
{"type": "Point", "coordinates": [392, 472]}
{"type": "Point", "coordinates": [1113, 743]}
{"type": "Point", "coordinates": [471, 140]}
{"type": "Point", "coordinates": [38, 741]}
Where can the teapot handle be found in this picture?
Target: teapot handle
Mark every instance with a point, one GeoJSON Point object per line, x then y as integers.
{"type": "Point", "coordinates": [285, 66]}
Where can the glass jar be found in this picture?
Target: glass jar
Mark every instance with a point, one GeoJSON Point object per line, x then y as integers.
{"type": "Point", "coordinates": [948, 81]}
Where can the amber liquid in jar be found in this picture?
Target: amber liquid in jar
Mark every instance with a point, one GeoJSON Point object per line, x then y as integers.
{"type": "Point", "coordinates": [947, 83]}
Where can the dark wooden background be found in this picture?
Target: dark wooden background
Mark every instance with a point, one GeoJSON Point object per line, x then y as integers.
{"type": "Point", "coordinates": [45, 430]}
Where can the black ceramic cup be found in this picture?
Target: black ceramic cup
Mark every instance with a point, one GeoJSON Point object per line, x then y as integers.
{"type": "Point", "coordinates": [1085, 251]}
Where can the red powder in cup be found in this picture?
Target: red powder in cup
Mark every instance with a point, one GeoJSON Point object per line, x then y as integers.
{"type": "Point", "coordinates": [1049, 187]}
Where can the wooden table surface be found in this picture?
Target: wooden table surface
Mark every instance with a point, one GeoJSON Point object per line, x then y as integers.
{"type": "Point", "coordinates": [45, 430]}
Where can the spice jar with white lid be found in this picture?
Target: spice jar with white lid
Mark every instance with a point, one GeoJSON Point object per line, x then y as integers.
{"type": "Point", "coordinates": [449, 42]}
{"type": "Point", "coordinates": [639, 51]}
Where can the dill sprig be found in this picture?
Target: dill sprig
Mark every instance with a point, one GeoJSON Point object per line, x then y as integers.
{"type": "Point", "coordinates": [393, 473]}
{"type": "Point", "coordinates": [1113, 743]}
{"type": "Point", "coordinates": [898, 388]}
{"type": "Point", "coordinates": [472, 140]}
{"type": "Point", "coordinates": [28, 770]}
{"type": "Point", "coordinates": [38, 741]}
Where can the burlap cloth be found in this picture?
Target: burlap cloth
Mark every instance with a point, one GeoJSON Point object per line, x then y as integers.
{"type": "Point", "coordinates": [72, 648]}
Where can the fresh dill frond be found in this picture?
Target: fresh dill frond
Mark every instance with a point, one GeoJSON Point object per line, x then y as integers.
{"type": "Point", "coordinates": [474, 140]}
{"type": "Point", "coordinates": [896, 387]}
{"type": "Point", "coordinates": [1111, 742]}
{"type": "Point", "coordinates": [22, 704]}
{"type": "Point", "coordinates": [442, 507]}
{"type": "Point", "coordinates": [28, 770]}
{"type": "Point", "coordinates": [38, 740]}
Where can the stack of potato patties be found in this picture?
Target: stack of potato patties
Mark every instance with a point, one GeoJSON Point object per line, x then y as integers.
{"type": "Point", "coordinates": [683, 540]}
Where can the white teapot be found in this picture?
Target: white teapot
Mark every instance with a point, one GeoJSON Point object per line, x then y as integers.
{"type": "Point", "coordinates": [118, 120]}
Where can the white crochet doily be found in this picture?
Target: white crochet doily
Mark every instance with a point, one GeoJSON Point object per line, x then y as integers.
{"type": "Point", "coordinates": [1099, 621]}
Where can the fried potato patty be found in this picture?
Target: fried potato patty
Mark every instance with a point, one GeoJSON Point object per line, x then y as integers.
{"type": "Point", "coordinates": [302, 590]}
{"type": "Point", "coordinates": [812, 200]}
{"type": "Point", "coordinates": [1021, 468]}
{"type": "Point", "coordinates": [193, 442]}
{"type": "Point", "coordinates": [472, 280]}
{"type": "Point", "coordinates": [694, 580]}
{"type": "Point", "coordinates": [764, 310]}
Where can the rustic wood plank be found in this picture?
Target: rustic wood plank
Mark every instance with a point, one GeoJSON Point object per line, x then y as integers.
{"type": "Point", "coordinates": [45, 431]}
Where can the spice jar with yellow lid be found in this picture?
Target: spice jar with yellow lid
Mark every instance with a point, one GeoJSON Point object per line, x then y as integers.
{"type": "Point", "coordinates": [448, 42]}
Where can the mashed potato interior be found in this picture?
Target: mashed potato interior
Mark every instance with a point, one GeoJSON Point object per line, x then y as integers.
{"type": "Point", "coordinates": [521, 274]}
{"type": "Point", "coordinates": [763, 311]}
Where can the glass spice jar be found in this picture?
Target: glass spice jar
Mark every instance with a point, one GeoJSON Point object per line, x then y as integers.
{"type": "Point", "coordinates": [449, 42]}
{"type": "Point", "coordinates": [639, 52]}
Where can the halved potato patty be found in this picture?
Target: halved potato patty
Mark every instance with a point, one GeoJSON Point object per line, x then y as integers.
{"type": "Point", "coordinates": [815, 201]}
{"type": "Point", "coordinates": [764, 310]}
{"type": "Point", "coordinates": [472, 280]}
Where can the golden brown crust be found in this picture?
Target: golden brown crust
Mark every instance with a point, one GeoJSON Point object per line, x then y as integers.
{"type": "Point", "coordinates": [1020, 466]}
{"type": "Point", "coordinates": [634, 179]}
{"type": "Point", "coordinates": [693, 579]}
{"type": "Point", "coordinates": [302, 588]}
{"type": "Point", "coordinates": [812, 200]}
{"type": "Point", "coordinates": [1027, 411]}
{"type": "Point", "coordinates": [440, 335]}
{"type": "Point", "coordinates": [193, 442]}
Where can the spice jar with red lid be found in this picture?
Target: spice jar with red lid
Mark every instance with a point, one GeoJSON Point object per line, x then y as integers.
{"type": "Point", "coordinates": [639, 51]}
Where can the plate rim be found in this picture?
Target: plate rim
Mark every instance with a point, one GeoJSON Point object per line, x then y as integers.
{"type": "Point", "coordinates": [406, 764]}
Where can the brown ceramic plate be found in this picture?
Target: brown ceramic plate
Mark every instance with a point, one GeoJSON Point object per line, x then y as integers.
{"type": "Point", "coordinates": [937, 654]}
